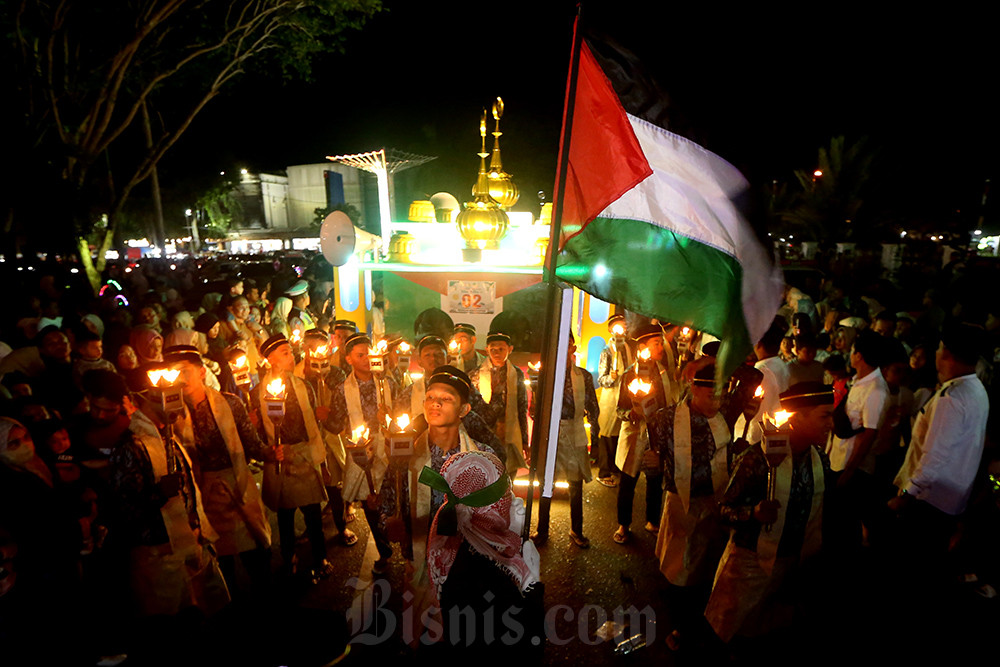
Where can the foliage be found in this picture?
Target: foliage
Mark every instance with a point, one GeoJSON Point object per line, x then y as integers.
{"type": "Point", "coordinates": [830, 206]}
{"type": "Point", "coordinates": [352, 212]}
{"type": "Point", "coordinates": [221, 206]}
{"type": "Point", "coordinates": [100, 90]}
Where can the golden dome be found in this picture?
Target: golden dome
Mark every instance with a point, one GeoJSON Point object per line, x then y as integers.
{"type": "Point", "coordinates": [502, 186]}
{"type": "Point", "coordinates": [421, 210]}
{"type": "Point", "coordinates": [482, 223]}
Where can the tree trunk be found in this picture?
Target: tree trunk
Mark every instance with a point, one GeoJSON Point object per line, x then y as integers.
{"type": "Point", "coordinates": [93, 268]}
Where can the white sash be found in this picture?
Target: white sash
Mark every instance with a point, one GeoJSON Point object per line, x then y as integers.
{"type": "Point", "coordinates": [183, 540]}
{"type": "Point", "coordinates": [417, 394]}
{"type": "Point", "coordinates": [317, 452]}
{"type": "Point", "coordinates": [512, 427]}
{"type": "Point", "coordinates": [223, 416]}
{"type": "Point", "coordinates": [767, 543]}
{"type": "Point", "coordinates": [383, 397]}
{"type": "Point", "coordinates": [683, 455]}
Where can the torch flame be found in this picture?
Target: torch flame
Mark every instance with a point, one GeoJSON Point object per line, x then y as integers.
{"type": "Point", "coordinates": [359, 434]}
{"type": "Point", "coordinates": [535, 366]}
{"type": "Point", "coordinates": [404, 347]}
{"type": "Point", "coordinates": [453, 346]}
{"type": "Point", "coordinates": [382, 346]}
{"type": "Point", "coordinates": [402, 422]}
{"type": "Point", "coordinates": [167, 375]}
{"type": "Point", "coordinates": [782, 416]}
{"type": "Point", "coordinates": [240, 361]}
{"type": "Point", "coordinates": [416, 375]}
{"type": "Point", "coordinates": [618, 330]}
{"type": "Point", "coordinates": [685, 331]}
{"type": "Point", "coordinates": [637, 386]}
{"type": "Point", "coordinates": [319, 351]}
{"type": "Point", "coordinates": [759, 392]}
{"type": "Point", "coordinates": [645, 354]}
{"type": "Point", "coordinates": [275, 388]}
{"type": "Point", "coordinates": [296, 335]}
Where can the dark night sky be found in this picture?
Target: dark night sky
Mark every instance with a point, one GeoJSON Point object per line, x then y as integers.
{"type": "Point", "coordinates": [765, 89]}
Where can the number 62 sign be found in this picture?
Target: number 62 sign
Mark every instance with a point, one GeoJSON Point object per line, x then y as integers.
{"type": "Point", "coordinates": [472, 296]}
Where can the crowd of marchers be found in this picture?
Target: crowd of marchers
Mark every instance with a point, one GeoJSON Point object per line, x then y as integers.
{"type": "Point", "coordinates": [154, 435]}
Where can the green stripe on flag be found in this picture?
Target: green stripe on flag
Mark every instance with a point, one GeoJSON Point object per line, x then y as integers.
{"type": "Point", "coordinates": [656, 272]}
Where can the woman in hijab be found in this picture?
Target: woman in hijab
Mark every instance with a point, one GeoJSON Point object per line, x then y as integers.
{"type": "Point", "coordinates": [147, 343]}
{"type": "Point", "coordinates": [476, 558]}
{"type": "Point", "coordinates": [279, 316]}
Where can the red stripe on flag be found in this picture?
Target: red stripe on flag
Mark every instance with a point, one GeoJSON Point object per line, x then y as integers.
{"type": "Point", "coordinates": [605, 159]}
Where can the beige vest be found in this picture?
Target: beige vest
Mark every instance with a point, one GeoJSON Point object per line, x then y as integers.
{"type": "Point", "coordinates": [767, 543]}
{"type": "Point", "coordinates": [183, 539]}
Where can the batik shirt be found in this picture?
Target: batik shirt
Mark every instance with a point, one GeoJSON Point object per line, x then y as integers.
{"type": "Point", "coordinates": [495, 411]}
{"type": "Point", "coordinates": [590, 406]}
{"type": "Point", "coordinates": [210, 447]}
{"type": "Point", "coordinates": [293, 426]}
{"type": "Point", "coordinates": [139, 497]}
{"type": "Point", "coordinates": [661, 439]}
{"type": "Point", "coordinates": [748, 487]}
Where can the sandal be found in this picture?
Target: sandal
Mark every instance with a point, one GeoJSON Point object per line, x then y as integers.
{"type": "Point", "coordinates": [348, 538]}
{"type": "Point", "coordinates": [579, 540]}
{"type": "Point", "coordinates": [349, 515]}
{"type": "Point", "coordinates": [652, 527]}
{"type": "Point", "coordinates": [621, 535]}
{"type": "Point", "coordinates": [324, 570]}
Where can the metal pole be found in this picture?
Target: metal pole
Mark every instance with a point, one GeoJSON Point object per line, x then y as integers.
{"type": "Point", "coordinates": [551, 341]}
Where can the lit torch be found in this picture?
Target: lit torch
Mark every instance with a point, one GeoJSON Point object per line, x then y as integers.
{"type": "Point", "coordinates": [357, 447]}
{"type": "Point", "coordinates": [454, 353]}
{"type": "Point", "coordinates": [376, 357]}
{"type": "Point", "coordinates": [641, 397]}
{"type": "Point", "coordinates": [319, 359]}
{"type": "Point", "coordinates": [274, 402]}
{"type": "Point", "coordinates": [401, 442]}
{"type": "Point", "coordinates": [776, 447]}
{"type": "Point", "coordinates": [164, 381]}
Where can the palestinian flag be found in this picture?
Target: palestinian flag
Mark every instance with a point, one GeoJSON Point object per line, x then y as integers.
{"type": "Point", "coordinates": [650, 220]}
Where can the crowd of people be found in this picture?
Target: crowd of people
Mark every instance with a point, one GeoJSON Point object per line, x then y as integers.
{"type": "Point", "coordinates": [147, 442]}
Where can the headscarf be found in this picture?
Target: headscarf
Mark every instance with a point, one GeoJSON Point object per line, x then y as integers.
{"type": "Point", "coordinates": [32, 464]}
{"type": "Point", "coordinates": [181, 337]}
{"type": "Point", "coordinates": [141, 340]}
{"type": "Point", "coordinates": [282, 308]}
{"type": "Point", "coordinates": [487, 530]}
{"type": "Point", "coordinates": [96, 321]}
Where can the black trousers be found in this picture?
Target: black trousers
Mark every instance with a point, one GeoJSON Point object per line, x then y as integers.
{"type": "Point", "coordinates": [257, 563]}
{"type": "Point", "coordinates": [575, 510]}
{"type": "Point", "coordinates": [314, 529]}
{"type": "Point", "coordinates": [377, 525]}
{"type": "Point", "coordinates": [626, 497]}
{"type": "Point", "coordinates": [606, 448]}
{"type": "Point", "coordinates": [337, 507]}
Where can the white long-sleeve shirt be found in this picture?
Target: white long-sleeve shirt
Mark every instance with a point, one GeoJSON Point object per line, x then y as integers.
{"type": "Point", "coordinates": [947, 444]}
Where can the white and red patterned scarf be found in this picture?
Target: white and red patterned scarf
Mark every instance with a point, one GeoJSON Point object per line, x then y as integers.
{"type": "Point", "coordinates": [486, 529]}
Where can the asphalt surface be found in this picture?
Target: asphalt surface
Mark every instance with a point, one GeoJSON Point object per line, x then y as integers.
{"type": "Point", "coordinates": [854, 617]}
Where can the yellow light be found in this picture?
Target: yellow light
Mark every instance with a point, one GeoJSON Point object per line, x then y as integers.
{"type": "Point", "coordinates": [535, 366]}
{"type": "Point", "coordinates": [359, 434]}
{"type": "Point", "coordinates": [637, 387]}
{"type": "Point", "coordinates": [296, 335]}
{"type": "Point", "coordinates": [275, 388]}
{"type": "Point", "coordinates": [759, 391]}
{"type": "Point", "coordinates": [618, 330]}
{"type": "Point", "coordinates": [453, 346]}
{"type": "Point", "coordinates": [404, 347]}
{"type": "Point", "coordinates": [685, 331]}
{"type": "Point", "coordinates": [167, 375]}
{"type": "Point", "coordinates": [319, 351]}
{"type": "Point", "coordinates": [382, 346]}
{"type": "Point", "coordinates": [416, 375]}
{"type": "Point", "coordinates": [781, 417]}
{"type": "Point", "coordinates": [240, 361]}
{"type": "Point", "coordinates": [402, 422]}
{"type": "Point", "coordinates": [645, 354]}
